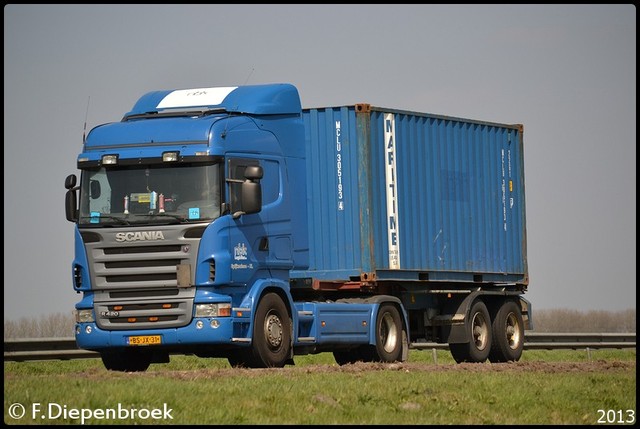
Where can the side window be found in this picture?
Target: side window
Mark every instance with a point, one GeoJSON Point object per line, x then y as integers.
{"type": "Point", "coordinates": [270, 182]}
{"type": "Point", "coordinates": [99, 193]}
{"type": "Point", "coordinates": [236, 177]}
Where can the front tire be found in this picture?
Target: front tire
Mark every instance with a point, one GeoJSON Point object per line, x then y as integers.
{"type": "Point", "coordinates": [126, 360]}
{"type": "Point", "coordinates": [271, 334]}
{"type": "Point", "coordinates": [240, 358]}
{"type": "Point", "coordinates": [479, 333]}
{"type": "Point", "coordinates": [350, 356]}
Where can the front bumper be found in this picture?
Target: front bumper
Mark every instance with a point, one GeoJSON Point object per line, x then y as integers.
{"type": "Point", "coordinates": [201, 331]}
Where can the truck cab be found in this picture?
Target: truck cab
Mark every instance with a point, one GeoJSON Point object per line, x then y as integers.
{"type": "Point", "coordinates": [188, 209]}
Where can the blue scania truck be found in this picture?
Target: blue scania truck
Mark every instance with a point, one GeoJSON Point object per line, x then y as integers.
{"type": "Point", "coordinates": [230, 222]}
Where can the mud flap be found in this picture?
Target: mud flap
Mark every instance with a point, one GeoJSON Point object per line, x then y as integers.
{"type": "Point", "coordinates": [457, 332]}
{"type": "Point", "coordinates": [404, 355]}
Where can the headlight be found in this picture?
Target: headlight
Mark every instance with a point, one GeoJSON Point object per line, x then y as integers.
{"type": "Point", "coordinates": [84, 316]}
{"type": "Point", "coordinates": [213, 310]}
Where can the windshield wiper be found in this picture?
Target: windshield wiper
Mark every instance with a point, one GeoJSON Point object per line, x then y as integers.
{"type": "Point", "coordinates": [180, 218]}
{"type": "Point", "coordinates": [102, 215]}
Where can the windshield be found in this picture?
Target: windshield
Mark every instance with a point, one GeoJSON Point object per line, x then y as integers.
{"type": "Point", "coordinates": [149, 194]}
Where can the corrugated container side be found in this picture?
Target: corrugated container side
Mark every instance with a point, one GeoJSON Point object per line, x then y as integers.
{"type": "Point", "coordinates": [333, 193]}
{"type": "Point", "coordinates": [414, 196]}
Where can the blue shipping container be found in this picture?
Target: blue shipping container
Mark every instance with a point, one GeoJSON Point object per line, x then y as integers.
{"type": "Point", "coordinates": [400, 195]}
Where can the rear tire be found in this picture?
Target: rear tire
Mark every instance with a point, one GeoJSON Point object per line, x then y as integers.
{"type": "Point", "coordinates": [389, 337]}
{"type": "Point", "coordinates": [508, 333]}
{"type": "Point", "coordinates": [479, 333]}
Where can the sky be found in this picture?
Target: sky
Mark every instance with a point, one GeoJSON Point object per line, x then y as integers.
{"type": "Point", "coordinates": [566, 72]}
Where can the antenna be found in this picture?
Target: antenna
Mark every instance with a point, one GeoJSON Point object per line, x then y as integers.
{"type": "Point", "coordinates": [84, 131]}
{"type": "Point", "coordinates": [224, 132]}
{"type": "Point", "coordinates": [247, 80]}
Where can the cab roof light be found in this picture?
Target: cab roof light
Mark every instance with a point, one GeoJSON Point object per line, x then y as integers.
{"type": "Point", "coordinates": [109, 159]}
{"type": "Point", "coordinates": [170, 156]}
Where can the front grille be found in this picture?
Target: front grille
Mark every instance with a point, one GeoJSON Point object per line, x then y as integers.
{"type": "Point", "coordinates": [136, 283]}
{"type": "Point", "coordinates": [139, 266]}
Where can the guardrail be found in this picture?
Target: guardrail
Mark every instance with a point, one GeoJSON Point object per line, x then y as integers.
{"type": "Point", "coordinates": [23, 349]}
{"type": "Point", "coordinates": [575, 341]}
{"type": "Point", "coordinates": [28, 349]}
{"type": "Point", "coordinates": [557, 341]}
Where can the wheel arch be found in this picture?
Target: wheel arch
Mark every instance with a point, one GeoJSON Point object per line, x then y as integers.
{"type": "Point", "coordinates": [492, 299]}
{"type": "Point", "coordinates": [378, 301]}
{"type": "Point", "coordinates": [259, 289]}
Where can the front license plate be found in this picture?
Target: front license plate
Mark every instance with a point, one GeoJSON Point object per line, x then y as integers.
{"type": "Point", "coordinates": [144, 340]}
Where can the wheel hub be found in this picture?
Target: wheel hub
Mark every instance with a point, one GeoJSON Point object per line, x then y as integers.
{"type": "Point", "coordinates": [273, 331]}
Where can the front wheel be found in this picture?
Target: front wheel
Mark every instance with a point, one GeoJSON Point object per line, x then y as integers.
{"type": "Point", "coordinates": [479, 333]}
{"type": "Point", "coordinates": [126, 360]}
{"type": "Point", "coordinates": [353, 355]}
{"type": "Point", "coordinates": [240, 358]}
{"type": "Point", "coordinates": [271, 334]}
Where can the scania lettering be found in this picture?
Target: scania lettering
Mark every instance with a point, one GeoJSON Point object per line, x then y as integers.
{"type": "Point", "coordinates": [142, 236]}
{"type": "Point", "coordinates": [230, 222]}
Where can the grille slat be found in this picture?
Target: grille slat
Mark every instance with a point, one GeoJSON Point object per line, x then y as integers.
{"type": "Point", "coordinates": [148, 313]}
{"type": "Point", "coordinates": [133, 294]}
{"type": "Point", "coordinates": [169, 277]}
{"type": "Point", "coordinates": [142, 263]}
{"type": "Point", "coordinates": [125, 321]}
{"type": "Point", "coordinates": [125, 250]}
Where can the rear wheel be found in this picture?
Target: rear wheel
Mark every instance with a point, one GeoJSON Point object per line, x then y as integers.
{"type": "Point", "coordinates": [479, 333]}
{"type": "Point", "coordinates": [389, 338]}
{"type": "Point", "coordinates": [508, 333]}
